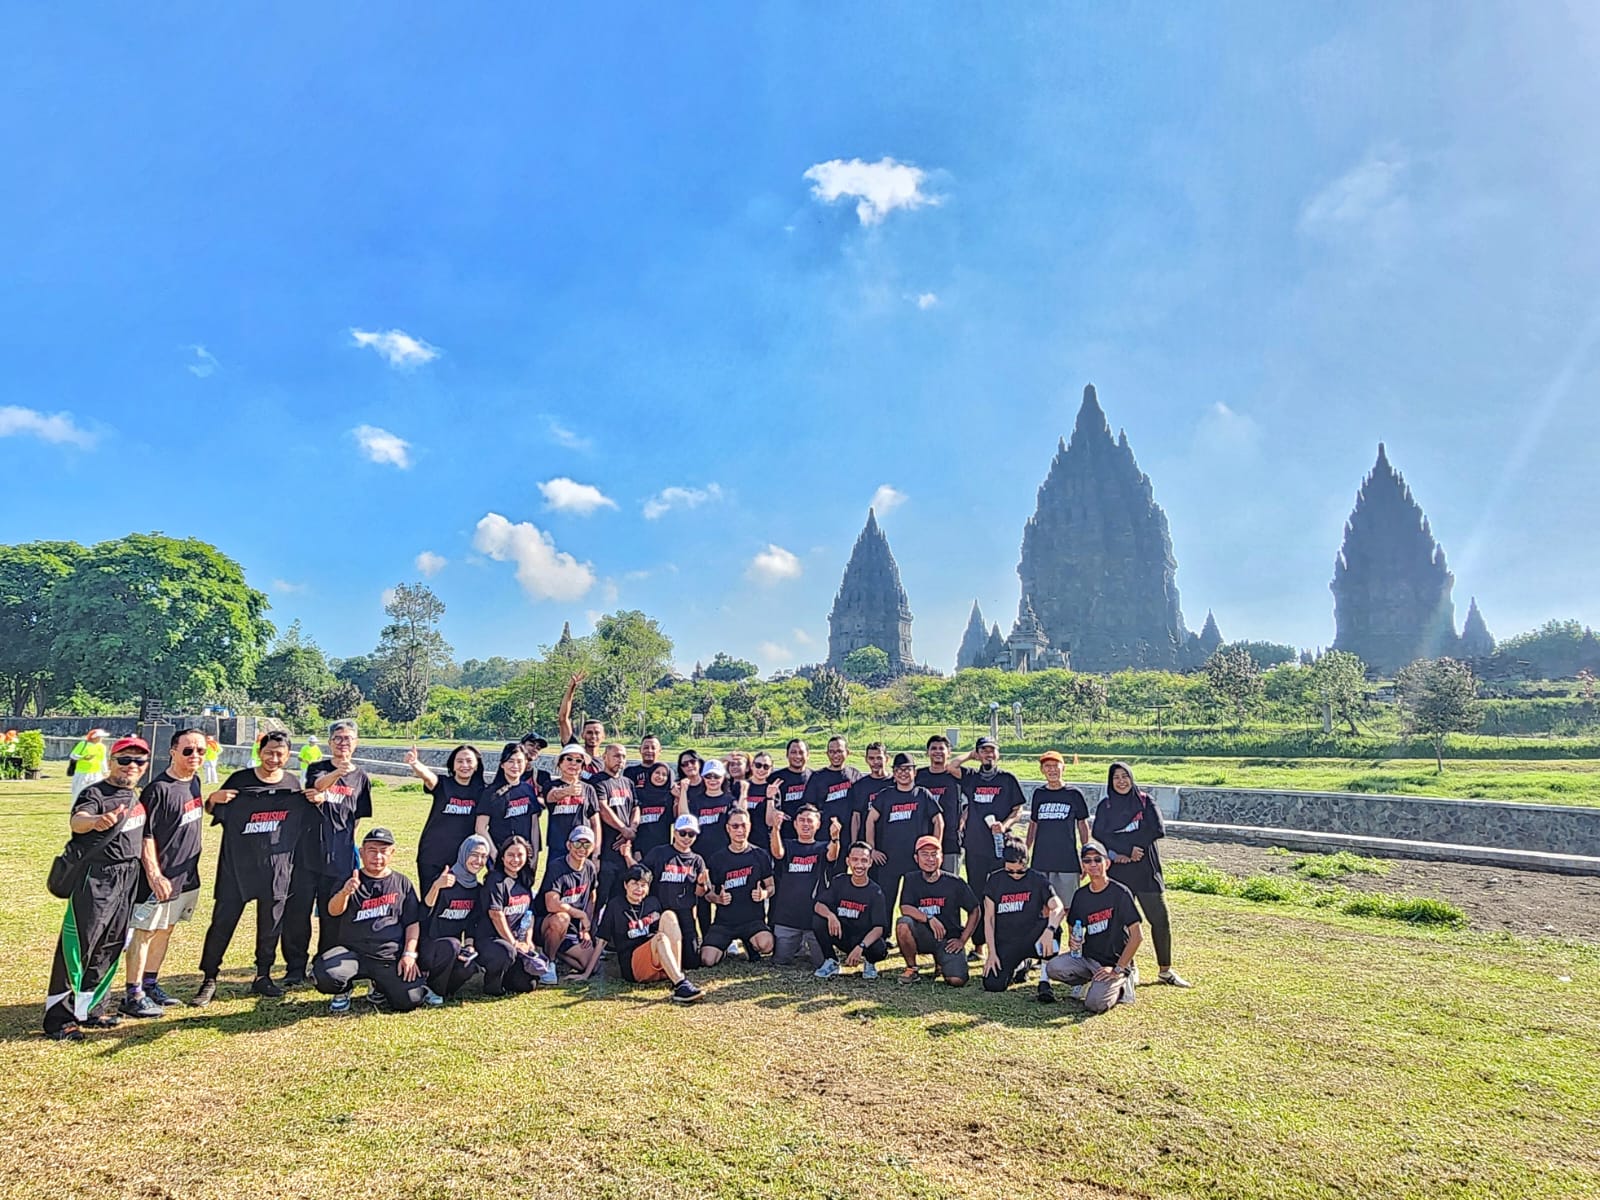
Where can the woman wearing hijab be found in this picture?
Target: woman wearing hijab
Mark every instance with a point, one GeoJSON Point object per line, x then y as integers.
{"type": "Point", "coordinates": [653, 791]}
{"type": "Point", "coordinates": [511, 803]}
{"type": "Point", "coordinates": [508, 932]}
{"type": "Point", "coordinates": [454, 907]}
{"type": "Point", "coordinates": [453, 816]}
{"type": "Point", "coordinates": [1128, 824]}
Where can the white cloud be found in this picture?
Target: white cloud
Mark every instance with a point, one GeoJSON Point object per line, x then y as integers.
{"type": "Point", "coordinates": [564, 437]}
{"type": "Point", "coordinates": [204, 364]}
{"type": "Point", "coordinates": [670, 498]}
{"type": "Point", "coordinates": [398, 348]}
{"type": "Point", "coordinates": [544, 572]}
{"type": "Point", "coordinates": [289, 589]}
{"type": "Point", "coordinates": [566, 495]}
{"type": "Point", "coordinates": [1225, 432]}
{"type": "Point", "coordinates": [47, 427]}
{"type": "Point", "coordinates": [801, 637]}
{"type": "Point", "coordinates": [381, 446]}
{"type": "Point", "coordinates": [926, 300]}
{"type": "Point", "coordinates": [773, 565]}
{"type": "Point", "coordinates": [608, 591]}
{"type": "Point", "coordinates": [774, 654]}
{"type": "Point", "coordinates": [879, 187]}
{"type": "Point", "coordinates": [886, 499]}
{"type": "Point", "coordinates": [430, 564]}
{"type": "Point", "coordinates": [1367, 194]}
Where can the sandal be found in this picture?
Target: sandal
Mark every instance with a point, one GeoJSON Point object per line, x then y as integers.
{"type": "Point", "coordinates": [910, 975]}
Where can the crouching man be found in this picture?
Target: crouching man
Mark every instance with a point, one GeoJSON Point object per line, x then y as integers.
{"type": "Point", "coordinates": [379, 922]}
{"type": "Point", "coordinates": [647, 937]}
{"type": "Point", "coordinates": [1105, 932]}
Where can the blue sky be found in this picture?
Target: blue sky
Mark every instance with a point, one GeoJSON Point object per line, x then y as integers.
{"type": "Point", "coordinates": [624, 309]}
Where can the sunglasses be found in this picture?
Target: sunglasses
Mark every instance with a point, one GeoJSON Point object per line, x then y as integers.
{"type": "Point", "coordinates": [190, 752]}
{"type": "Point", "coordinates": [1091, 858]}
{"type": "Point", "coordinates": [763, 766]}
{"type": "Point", "coordinates": [130, 760]}
{"type": "Point", "coordinates": [684, 833]}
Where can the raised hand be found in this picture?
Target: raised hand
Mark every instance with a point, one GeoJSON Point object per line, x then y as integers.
{"type": "Point", "coordinates": [221, 796]}
{"type": "Point", "coordinates": [107, 820]}
{"type": "Point", "coordinates": [834, 829]}
{"type": "Point", "coordinates": [351, 884]}
{"type": "Point", "coordinates": [447, 879]}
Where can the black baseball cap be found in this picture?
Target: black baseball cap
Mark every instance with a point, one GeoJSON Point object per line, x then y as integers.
{"type": "Point", "coordinates": [378, 834]}
{"type": "Point", "coordinates": [533, 739]}
{"type": "Point", "coordinates": [904, 760]}
{"type": "Point", "coordinates": [986, 740]}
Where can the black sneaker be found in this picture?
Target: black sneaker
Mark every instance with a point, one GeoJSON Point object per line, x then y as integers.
{"type": "Point", "coordinates": [294, 977]}
{"type": "Point", "coordinates": [263, 986]}
{"type": "Point", "coordinates": [161, 996]}
{"type": "Point", "coordinates": [1047, 994]}
{"type": "Point", "coordinates": [100, 1020]}
{"type": "Point", "coordinates": [376, 999]}
{"type": "Point", "coordinates": [206, 994]}
{"type": "Point", "coordinates": [67, 1033]}
{"type": "Point", "coordinates": [140, 1006]}
{"type": "Point", "coordinates": [686, 993]}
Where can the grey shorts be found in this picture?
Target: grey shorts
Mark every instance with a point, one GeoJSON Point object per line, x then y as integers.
{"type": "Point", "coordinates": [951, 966]}
{"type": "Point", "coordinates": [789, 941]}
{"type": "Point", "coordinates": [154, 915]}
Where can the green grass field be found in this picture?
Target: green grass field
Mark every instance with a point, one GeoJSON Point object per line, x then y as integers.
{"type": "Point", "coordinates": [1317, 1056]}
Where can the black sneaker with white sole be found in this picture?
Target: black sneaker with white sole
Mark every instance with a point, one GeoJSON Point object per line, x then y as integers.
{"type": "Point", "coordinates": [686, 993]}
{"type": "Point", "coordinates": [206, 993]}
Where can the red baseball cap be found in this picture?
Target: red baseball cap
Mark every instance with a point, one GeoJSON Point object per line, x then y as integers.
{"type": "Point", "coordinates": [122, 745]}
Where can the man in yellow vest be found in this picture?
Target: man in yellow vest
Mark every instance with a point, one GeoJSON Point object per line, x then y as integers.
{"type": "Point", "coordinates": [88, 759]}
{"type": "Point", "coordinates": [309, 753]}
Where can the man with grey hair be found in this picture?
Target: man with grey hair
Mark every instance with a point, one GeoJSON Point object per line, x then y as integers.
{"type": "Point", "coordinates": [341, 795]}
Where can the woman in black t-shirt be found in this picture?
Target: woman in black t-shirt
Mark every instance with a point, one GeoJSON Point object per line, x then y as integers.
{"type": "Point", "coordinates": [453, 816]}
{"type": "Point", "coordinates": [1128, 824]}
{"type": "Point", "coordinates": [453, 907]}
{"type": "Point", "coordinates": [653, 792]}
{"type": "Point", "coordinates": [511, 802]}
{"type": "Point", "coordinates": [508, 939]}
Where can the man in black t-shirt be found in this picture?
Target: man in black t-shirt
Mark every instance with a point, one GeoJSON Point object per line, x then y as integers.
{"type": "Point", "coordinates": [1022, 917]}
{"type": "Point", "coordinates": [932, 902]}
{"type": "Point", "coordinates": [850, 915]}
{"type": "Point", "coordinates": [108, 821]}
{"type": "Point", "coordinates": [991, 800]}
{"type": "Point", "coordinates": [943, 779]}
{"type": "Point", "coordinates": [680, 879]}
{"type": "Point", "coordinates": [899, 817]}
{"type": "Point", "coordinates": [801, 869]}
{"type": "Point", "coordinates": [567, 927]}
{"type": "Point", "coordinates": [787, 785]}
{"type": "Point", "coordinates": [1105, 934]}
{"type": "Point", "coordinates": [619, 819]}
{"type": "Point", "coordinates": [741, 881]}
{"type": "Point", "coordinates": [647, 937]}
{"type": "Point", "coordinates": [380, 921]}
{"type": "Point", "coordinates": [828, 789]}
{"type": "Point", "coordinates": [649, 756]}
{"type": "Point", "coordinates": [1058, 821]}
{"type": "Point", "coordinates": [170, 868]}
{"type": "Point", "coordinates": [864, 791]}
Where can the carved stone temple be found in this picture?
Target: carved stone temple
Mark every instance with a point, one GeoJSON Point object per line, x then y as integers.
{"type": "Point", "coordinates": [871, 608]}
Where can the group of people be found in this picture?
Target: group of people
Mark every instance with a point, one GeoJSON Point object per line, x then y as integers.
{"type": "Point", "coordinates": [665, 868]}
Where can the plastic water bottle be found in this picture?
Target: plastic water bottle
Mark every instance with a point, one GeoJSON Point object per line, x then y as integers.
{"type": "Point", "coordinates": [999, 840]}
{"type": "Point", "coordinates": [1077, 939]}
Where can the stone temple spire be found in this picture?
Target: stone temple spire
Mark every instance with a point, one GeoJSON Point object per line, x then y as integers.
{"type": "Point", "coordinates": [871, 608]}
{"type": "Point", "coordinates": [1476, 641]}
{"type": "Point", "coordinates": [1097, 555]}
{"type": "Point", "coordinates": [970, 653]}
{"type": "Point", "coordinates": [1391, 585]}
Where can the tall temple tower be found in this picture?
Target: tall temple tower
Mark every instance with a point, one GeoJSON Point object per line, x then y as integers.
{"type": "Point", "coordinates": [871, 608]}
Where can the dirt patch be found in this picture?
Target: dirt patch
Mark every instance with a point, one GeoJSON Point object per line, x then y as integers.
{"type": "Point", "coordinates": [1529, 903]}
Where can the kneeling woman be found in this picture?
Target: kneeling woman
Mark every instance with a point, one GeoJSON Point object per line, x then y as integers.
{"type": "Point", "coordinates": [507, 946]}
{"type": "Point", "coordinates": [454, 909]}
{"type": "Point", "coordinates": [648, 938]}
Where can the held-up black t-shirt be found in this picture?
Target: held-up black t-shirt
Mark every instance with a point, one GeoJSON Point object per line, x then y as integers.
{"type": "Point", "coordinates": [946, 789]}
{"type": "Point", "coordinates": [513, 811]}
{"type": "Point", "coordinates": [456, 912]}
{"type": "Point", "coordinates": [375, 919]}
{"type": "Point", "coordinates": [575, 885]}
{"type": "Point", "coordinates": [656, 814]}
{"type": "Point", "coordinates": [567, 812]}
{"type": "Point", "coordinates": [102, 797]}
{"type": "Point", "coordinates": [903, 817]}
{"type": "Point", "coordinates": [947, 898]}
{"type": "Point", "coordinates": [737, 873]}
{"type": "Point", "coordinates": [858, 908]}
{"type": "Point", "coordinates": [334, 820]}
{"type": "Point", "coordinates": [627, 927]}
{"type": "Point", "coordinates": [260, 828]}
{"type": "Point", "coordinates": [799, 876]}
{"type": "Point", "coordinates": [788, 788]}
{"type": "Point", "coordinates": [1055, 836]}
{"type": "Point", "coordinates": [676, 875]}
{"type": "Point", "coordinates": [173, 808]}
{"type": "Point", "coordinates": [452, 819]}
{"type": "Point", "coordinates": [512, 897]}
{"type": "Point", "coordinates": [995, 795]}
{"type": "Point", "coordinates": [1106, 916]}
{"type": "Point", "coordinates": [1019, 904]}
{"type": "Point", "coordinates": [615, 793]}
{"type": "Point", "coordinates": [712, 813]}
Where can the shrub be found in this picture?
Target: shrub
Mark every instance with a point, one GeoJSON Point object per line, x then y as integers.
{"type": "Point", "coordinates": [1189, 876]}
{"type": "Point", "coordinates": [1415, 909]}
{"type": "Point", "coordinates": [1271, 889]}
{"type": "Point", "coordinates": [30, 748]}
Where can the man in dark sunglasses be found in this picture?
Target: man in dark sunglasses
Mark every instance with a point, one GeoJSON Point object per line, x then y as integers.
{"type": "Point", "coordinates": [170, 859]}
{"type": "Point", "coordinates": [107, 824]}
{"type": "Point", "coordinates": [1104, 932]}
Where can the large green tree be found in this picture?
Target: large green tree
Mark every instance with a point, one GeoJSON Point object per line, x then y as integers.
{"type": "Point", "coordinates": [1339, 680]}
{"type": "Point", "coordinates": [294, 675]}
{"type": "Point", "coordinates": [152, 617]}
{"type": "Point", "coordinates": [29, 574]}
{"type": "Point", "coordinates": [411, 650]}
{"type": "Point", "coordinates": [1234, 679]}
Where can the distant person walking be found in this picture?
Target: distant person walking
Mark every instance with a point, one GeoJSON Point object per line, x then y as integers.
{"type": "Point", "coordinates": [87, 762]}
{"type": "Point", "coordinates": [1128, 825]}
{"type": "Point", "coordinates": [213, 753]}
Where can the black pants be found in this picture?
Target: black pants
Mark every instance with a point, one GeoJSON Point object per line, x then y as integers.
{"type": "Point", "coordinates": [92, 933]}
{"type": "Point", "coordinates": [502, 968]}
{"type": "Point", "coordinates": [336, 970]}
{"type": "Point", "coordinates": [308, 886]}
{"type": "Point", "coordinates": [889, 877]}
{"type": "Point", "coordinates": [1011, 954]}
{"type": "Point", "coordinates": [1154, 907]}
{"type": "Point", "coordinates": [691, 936]}
{"type": "Point", "coordinates": [979, 868]}
{"type": "Point", "coordinates": [610, 882]}
{"type": "Point", "coordinates": [850, 936]}
{"type": "Point", "coordinates": [440, 960]}
{"type": "Point", "coordinates": [269, 889]}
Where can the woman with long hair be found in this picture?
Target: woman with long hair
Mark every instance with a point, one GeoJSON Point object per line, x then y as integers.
{"type": "Point", "coordinates": [452, 817]}
{"type": "Point", "coordinates": [511, 803]}
{"type": "Point", "coordinates": [508, 941]}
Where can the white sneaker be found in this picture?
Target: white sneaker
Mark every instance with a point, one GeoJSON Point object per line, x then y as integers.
{"type": "Point", "coordinates": [827, 970]}
{"type": "Point", "coordinates": [869, 970]}
{"type": "Point", "coordinates": [1172, 979]}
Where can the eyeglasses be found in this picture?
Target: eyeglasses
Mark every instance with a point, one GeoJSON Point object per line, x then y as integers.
{"type": "Point", "coordinates": [1089, 858]}
{"type": "Point", "coordinates": [189, 752]}
{"type": "Point", "coordinates": [130, 760]}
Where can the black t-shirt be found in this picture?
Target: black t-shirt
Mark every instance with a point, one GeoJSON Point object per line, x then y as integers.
{"type": "Point", "coordinates": [799, 875]}
{"type": "Point", "coordinates": [789, 788]}
{"type": "Point", "coordinates": [676, 873]}
{"type": "Point", "coordinates": [627, 927]}
{"type": "Point", "coordinates": [995, 795]}
{"type": "Point", "coordinates": [656, 814]}
{"type": "Point", "coordinates": [755, 798]}
{"type": "Point", "coordinates": [737, 873]}
{"type": "Point", "coordinates": [513, 811]}
{"type": "Point", "coordinates": [1106, 916]}
{"type": "Point", "coordinates": [575, 885]}
{"type": "Point", "coordinates": [331, 825]}
{"type": "Point", "coordinates": [1055, 836]}
{"type": "Point", "coordinates": [1019, 904]}
{"type": "Point", "coordinates": [829, 790]}
{"type": "Point", "coordinates": [862, 793]}
{"type": "Point", "coordinates": [374, 920]}
{"type": "Point", "coordinates": [712, 813]}
{"type": "Point", "coordinates": [639, 773]}
{"type": "Point", "coordinates": [946, 789]}
{"type": "Point", "coordinates": [858, 908]}
{"type": "Point", "coordinates": [456, 912]}
{"type": "Point", "coordinates": [1122, 823]}
{"type": "Point", "coordinates": [615, 793]}
{"type": "Point", "coordinates": [512, 897]}
{"type": "Point", "coordinates": [903, 817]}
{"type": "Point", "coordinates": [100, 798]}
{"type": "Point", "coordinates": [452, 819]}
{"type": "Point", "coordinates": [173, 808]}
{"type": "Point", "coordinates": [568, 811]}
{"type": "Point", "coordinates": [260, 826]}
{"type": "Point", "coordinates": [948, 898]}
